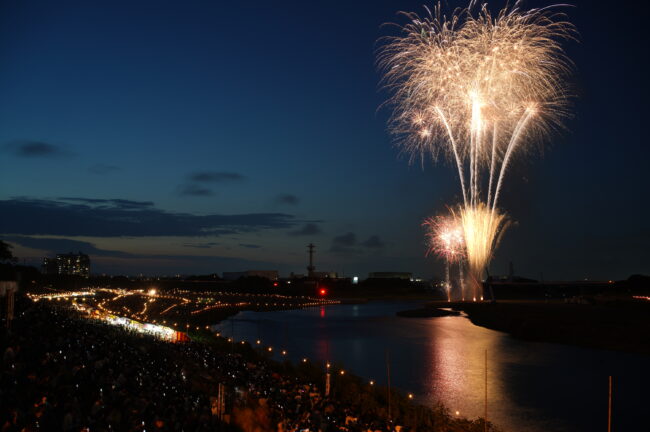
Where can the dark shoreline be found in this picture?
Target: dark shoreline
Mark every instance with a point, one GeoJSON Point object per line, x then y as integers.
{"type": "Point", "coordinates": [611, 325]}
{"type": "Point", "coordinates": [427, 312]}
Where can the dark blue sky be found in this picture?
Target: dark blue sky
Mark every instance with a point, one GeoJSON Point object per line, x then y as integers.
{"type": "Point", "coordinates": [167, 137]}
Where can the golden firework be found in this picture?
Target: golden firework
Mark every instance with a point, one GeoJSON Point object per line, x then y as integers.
{"type": "Point", "coordinates": [482, 228]}
{"type": "Point", "coordinates": [479, 89]}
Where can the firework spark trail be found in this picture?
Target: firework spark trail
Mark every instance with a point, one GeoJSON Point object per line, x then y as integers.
{"type": "Point", "coordinates": [458, 86]}
{"type": "Point", "coordinates": [445, 238]}
{"type": "Point", "coordinates": [478, 88]}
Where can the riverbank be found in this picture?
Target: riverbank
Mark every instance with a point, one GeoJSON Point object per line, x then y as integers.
{"type": "Point", "coordinates": [189, 372]}
{"type": "Point", "coordinates": [621, 325]}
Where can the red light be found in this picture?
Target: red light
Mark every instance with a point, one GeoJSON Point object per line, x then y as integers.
{"type": "Point", "coordinates": [275, 284]}
{"type": "Point", "coordinates": [323, 291]}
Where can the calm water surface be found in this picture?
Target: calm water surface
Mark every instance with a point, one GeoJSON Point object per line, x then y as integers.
{"type": "Point", "coordinates": [531, 386]}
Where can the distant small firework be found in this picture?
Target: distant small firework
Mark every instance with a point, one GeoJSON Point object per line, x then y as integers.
{"type": "Point", "coordinates": [445, 239]}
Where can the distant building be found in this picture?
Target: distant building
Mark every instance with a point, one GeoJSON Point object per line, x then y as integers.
{"type": "Point", "coordinates": [324, 275]}
{"type": "Point", "coordinates": [390, 275]}
{"type": "Point", "coordinates": [315, 275]}
{"type": "Point", "coordinates": [268, 274]}
{"type": "Point", "coordinates": [67, 264]}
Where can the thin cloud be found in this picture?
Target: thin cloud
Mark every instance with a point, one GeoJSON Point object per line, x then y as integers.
{"type": "Point", "coordinates": [250, 246]}
{"type": "Point", "coordinates": [111, 261]}
{"type": "Point", "coordinates": [306, 230]}
{"type": "Point", "coordinates": [115, 202]}
{"type": "Point", "coordinates": [348, 239]}
{"type": "Point", "coordinates": [206, 245]}
{"type": "Point", "coordinates": [288, 199]}
{"type": "Point", "coordinates": [216, 177]}
{"type": "Point", "coordinates": [60, 245]}
{"type": "Point", "coordinates": [119, 218]}
{"type": "Point", "coordinates": [196, 184]}
{"type": "Point", "coordinates": [35, 149]}
{"type": "Point", "coordinates": [344, 244]}
{"type": "Point", "coordinates": [194, 190]}
{"type": "Point", "coordinates": [374, 242]}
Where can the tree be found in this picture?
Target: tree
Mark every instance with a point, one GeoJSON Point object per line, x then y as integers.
{"type": "Point", "coordinates": [5, 253]}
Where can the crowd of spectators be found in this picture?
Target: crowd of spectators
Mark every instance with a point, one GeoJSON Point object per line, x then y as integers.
{"type": "Point", "coordinates": [62, 371]}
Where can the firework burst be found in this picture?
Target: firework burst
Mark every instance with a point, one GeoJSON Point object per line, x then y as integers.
{"type": "Point", "coordinates": [479, 89]}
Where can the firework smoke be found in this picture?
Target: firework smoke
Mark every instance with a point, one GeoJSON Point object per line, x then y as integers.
{"type": "Point", "coordinates": [479, 89]}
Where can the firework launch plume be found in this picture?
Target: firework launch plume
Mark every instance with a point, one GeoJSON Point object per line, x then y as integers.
{"type": "Point", "coordinates": [479, 89]}
{"type": "Point", "coordinates": [482, 230]}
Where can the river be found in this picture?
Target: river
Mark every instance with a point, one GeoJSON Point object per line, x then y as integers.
{"type": "Point", "coordinates": [532, 386]}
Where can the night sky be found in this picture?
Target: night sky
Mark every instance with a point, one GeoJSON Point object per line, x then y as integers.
{"type": "Point", "coordinates": [197, 137]}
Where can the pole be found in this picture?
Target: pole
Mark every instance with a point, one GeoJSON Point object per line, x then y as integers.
{"type": "Point", "coordinates": [327, 380]}
{"type": "Point", "coordinates": [388, 375]}
{"type": "Point", "coordinates": [218, 407]}
{"type": "Point", "coordinates": [286, 336]}
{"type": "Point", "coordinates": [609, 407]}
{"type": "Point", "coordinates": [222, 408]}
{"type": "Point", "coordinates": [447, 282]}
{"type": "Point", "coordinates": [310, 267]}
{"type": "Point", "coordinates": [232, 335]}
{"type": "Point", "coordinates": [486, 392]}
{"type": "Point", "coordinates": [10, 307]}
{"type": "Point", "coordinates": [327, 369]}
